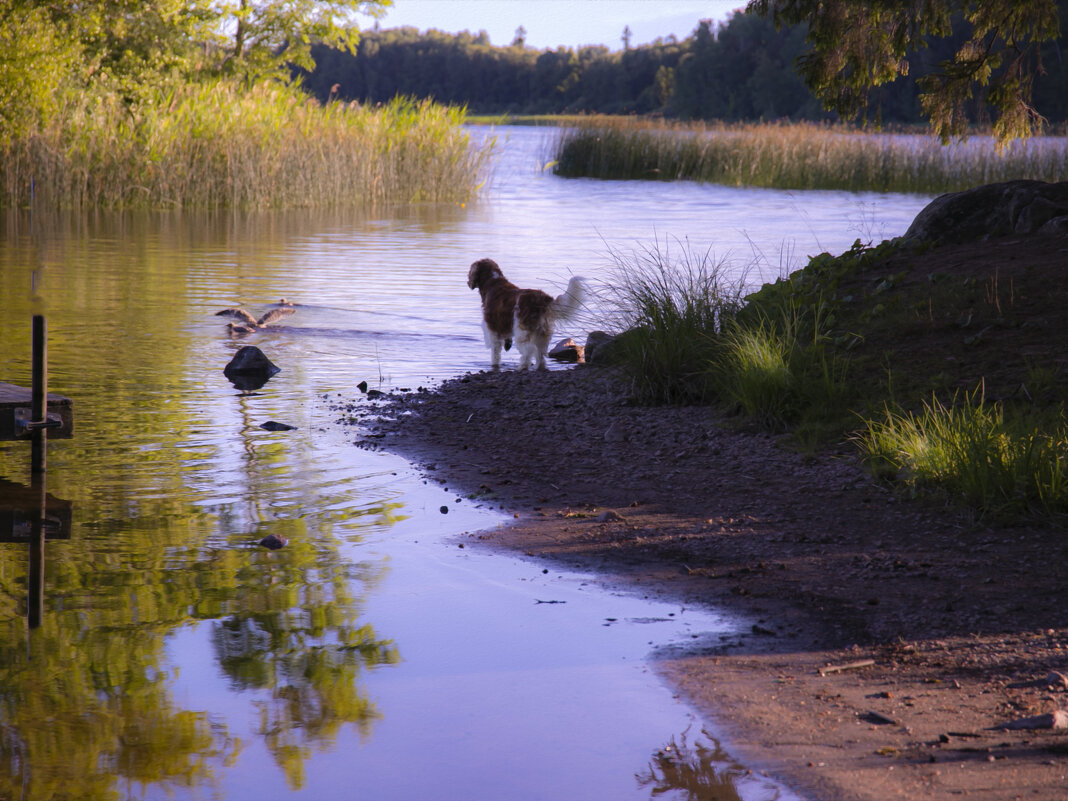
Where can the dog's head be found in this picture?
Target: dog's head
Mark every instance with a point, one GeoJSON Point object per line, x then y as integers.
{"type": "Point", "coordinates": [482, 272]}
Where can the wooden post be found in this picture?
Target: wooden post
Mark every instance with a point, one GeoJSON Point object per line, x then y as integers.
{"type": "Point", "coordinates": [39, 399]}
{"type": "Point", "coordinates": [35, 579]}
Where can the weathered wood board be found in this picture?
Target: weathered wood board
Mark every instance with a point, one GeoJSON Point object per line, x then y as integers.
{"type": "Point", "coordinates": [13, 397]}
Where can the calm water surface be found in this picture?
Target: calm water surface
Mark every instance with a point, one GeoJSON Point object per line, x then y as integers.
{"type": "Point", "coordinates": [372, 657]}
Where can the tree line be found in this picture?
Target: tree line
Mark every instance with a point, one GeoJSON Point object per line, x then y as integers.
{"type": "Point", "coordinates": [744, 69]}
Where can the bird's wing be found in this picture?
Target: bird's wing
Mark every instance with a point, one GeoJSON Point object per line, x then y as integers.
{"type": "Point", "coordinates": [239, 314]}
{"type": "Point", "coordinates": [274, 315]}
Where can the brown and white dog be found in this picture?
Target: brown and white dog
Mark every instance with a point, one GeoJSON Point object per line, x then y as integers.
{"type": "Point", "coordinates": [525, 316]}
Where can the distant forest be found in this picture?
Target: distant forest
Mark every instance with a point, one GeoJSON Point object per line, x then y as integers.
{"type": "Point", "coordinates": [741, 70]}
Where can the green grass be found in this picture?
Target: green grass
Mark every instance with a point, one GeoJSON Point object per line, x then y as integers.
{"type": "Point", "coordinates": [811, 355]}
{"type": "Point", "coordinates": [218, 145]}
{"type": "Point", "coordinates": [796, 156]}
{"type": "Point", "coordinates": [1005, 468]}
{"type": "Point", "coordinates": [670, 306]}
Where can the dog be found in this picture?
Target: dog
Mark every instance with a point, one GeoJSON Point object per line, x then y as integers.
{"type": "Point", "coordinates": [523, 316]}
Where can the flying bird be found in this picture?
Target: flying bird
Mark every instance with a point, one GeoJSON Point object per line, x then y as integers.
{"type": "Point", "coordinates": [247, 323]}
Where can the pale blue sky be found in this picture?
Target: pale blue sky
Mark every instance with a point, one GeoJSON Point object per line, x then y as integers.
{"type": "Point", "coordinates": [551, 23]}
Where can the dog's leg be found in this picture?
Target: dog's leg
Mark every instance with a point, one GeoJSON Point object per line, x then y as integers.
{"type": "Point", "coordinates": [493, 342]}
{"type": "Point", "coordinates": [540, 343]}
{"type": "Point", "coordinates": [526, 352]}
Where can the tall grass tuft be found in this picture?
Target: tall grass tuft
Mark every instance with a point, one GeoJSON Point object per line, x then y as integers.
{"type": "Point", "coordinates": [797, 156]}
{"type": "Point", "coordinates": [687, 339]}
{"type": "Point", "coordinates": [775, 370]}
{"type": "Point", "coordinates": [970, 451]}
{"type": "Point", "coordinates": [670, 307]}
{"type": "Point", "coordinates": [219, 144]}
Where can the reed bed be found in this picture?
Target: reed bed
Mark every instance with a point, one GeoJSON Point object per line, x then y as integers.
{"type": "Point", "coordinates": [220, 145]}
{"type": "Point", "coordinates": [798, 156]}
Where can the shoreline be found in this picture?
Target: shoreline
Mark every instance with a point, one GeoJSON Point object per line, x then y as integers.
{"type": "Point", "coordinates": [963, 624]}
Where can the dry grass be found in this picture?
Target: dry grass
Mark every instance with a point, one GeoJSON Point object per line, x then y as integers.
{"type": "Point", "coordinates": [798, 156]}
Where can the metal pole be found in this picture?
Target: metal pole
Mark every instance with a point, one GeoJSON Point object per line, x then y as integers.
{"type": "Point", "coordinates": [39, 400]}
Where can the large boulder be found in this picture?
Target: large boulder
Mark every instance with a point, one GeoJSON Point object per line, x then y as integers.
{"type": "Point", "coordinates": [1013, 207]}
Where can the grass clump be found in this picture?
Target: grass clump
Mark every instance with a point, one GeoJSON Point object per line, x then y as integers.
{"type": "Point", "coordinates": [969, 450]}
{"type": "Point", "coordinates": [797, 156]}
{"type": "Point", "coordinates": [688, 338]}
{"type": "Point", "coordinates": [772, 375]}
{"type": "Point", "coordinates": [670, 307]}
{"type": "Point", "coordinates": [877, 347]}
{"type": "Point", "coordinates": [220, 144]}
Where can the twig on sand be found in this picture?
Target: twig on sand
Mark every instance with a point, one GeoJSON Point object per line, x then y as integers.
{"type": "Point", "coordinates": [863, 663]}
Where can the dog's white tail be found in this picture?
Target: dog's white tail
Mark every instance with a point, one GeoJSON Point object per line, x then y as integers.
{"type": "Point", "coordinates": [567, 305]}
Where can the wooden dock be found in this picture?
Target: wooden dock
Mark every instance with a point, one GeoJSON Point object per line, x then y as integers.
{"type": "Point", "coordinates": [16, 405]}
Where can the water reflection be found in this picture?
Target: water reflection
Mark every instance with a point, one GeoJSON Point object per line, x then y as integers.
{"type": "Point", "coordinates": [31, 515]}
{"type": "Point", "coordinates": [175, 655]}
{"type": "Point", "coordinates": [702, 771]}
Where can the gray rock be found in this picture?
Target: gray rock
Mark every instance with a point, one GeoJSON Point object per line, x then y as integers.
{"type": "Point", "coordinates": [1013, 207]}
{"type": "Point", "coordinates": [1051, 720]}
{"type": "Point", "coordinates": [602, 348]}
{"type": "Point", "coordinates": [616, 432]}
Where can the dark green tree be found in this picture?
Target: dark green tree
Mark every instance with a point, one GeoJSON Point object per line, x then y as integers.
{"type": "Point", "coordinates": [856, 46]}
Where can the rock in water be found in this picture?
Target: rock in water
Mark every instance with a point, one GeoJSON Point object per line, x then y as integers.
{"type": "Point", "coordinates": [274, 542]}
{"type": "Point", "coordinates": [251, 359]}
{"type": "Point", "coordinates": [250, 369]}
{"type": "Point", "coordinates": [272, 425]}
{"type": "Point", "coordinates": [569, 351]}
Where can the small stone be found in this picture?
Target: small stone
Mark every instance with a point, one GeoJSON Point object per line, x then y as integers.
{"type": "Point", "coordinates": [1057, 680]}
{"type": "Point", "coordinates": [567, 350]}
{"type": "Point", "coordinates": [271, 425]}
{"type": "Point", "coordinates": [444, 510]}
{"type": "Point", "coordinates": [610, 516]}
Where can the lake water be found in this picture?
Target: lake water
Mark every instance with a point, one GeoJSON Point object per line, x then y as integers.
{"type": "Point", "coordinates": [372, 657]}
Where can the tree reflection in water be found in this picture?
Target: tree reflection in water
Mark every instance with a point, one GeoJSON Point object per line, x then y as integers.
{"type": "Point", "coordinates": [701, 772]}
{"type": "Point", "coordinates": [307, 657]}
{"type": "Point", "coordinates": [86, 704]}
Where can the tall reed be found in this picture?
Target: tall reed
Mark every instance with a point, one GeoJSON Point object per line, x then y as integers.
{"type": "Point", "coordinates": [969, 450]}
{"type": "Point", "coordinates": [670, 305]}
{"type": "Point", "coordinates": [797, 156]}
{"type": "Point", "coordinates": [221, 145]}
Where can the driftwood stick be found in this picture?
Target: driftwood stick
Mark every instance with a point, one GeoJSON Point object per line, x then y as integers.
{"type": "Point", "coordinates": [863, 663]}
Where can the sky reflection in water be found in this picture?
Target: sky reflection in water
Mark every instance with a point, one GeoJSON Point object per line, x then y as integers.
{"type": "Point", "coordinates": [369, 658]}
